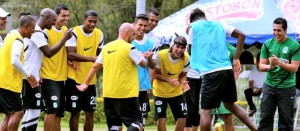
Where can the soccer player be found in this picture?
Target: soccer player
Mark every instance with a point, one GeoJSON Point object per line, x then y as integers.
{"type": "Point", "coordinates": [170, 81]}
{"type": "Point", "coordinates": [85, 44]}
{"type": "Point", "coordinates": [12, 72]}
{"type": "Point", "coordinates": [37, 48]}
{"type": "Point", "coordinates": [209, 57]}
{"type": "Point", "coordinates": [145, 46]}
{"type": "Point", "coordinates": [119, 60]}
{"type": "Point", "coordinates": [280, 58]}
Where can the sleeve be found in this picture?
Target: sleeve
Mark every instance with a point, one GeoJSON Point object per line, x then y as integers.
{"type": "Point", "coordinates": [190, 36]}
{"type": "Point", "coordinates": [135, 55]}
{"type": "Point", "coordinates": [101, 43]}
{"type": "Point", "coordinates": [39, 39]}
{"type": "Point", "coordinates": [15, 61]}
{"type": "Point", "coordinates": [99, 59]}
{"type": "Point", "coordinates": [157, 62]}
{"type": "Point", "coordinates": [227, 28]}
{"type": "Point", "coordinates": [72, 40]}
{"type": "Point", "coordinates": [187, 66]}
{"type": "Point", "coordinates": [296, 53]}
{"type": "Point", "coordinates": [251, 75]}
{"type": "Point", "coordinates": [264, 51]}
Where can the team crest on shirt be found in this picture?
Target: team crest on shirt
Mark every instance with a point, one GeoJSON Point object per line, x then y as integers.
{"type": "Point", "coordinates": [158, 103]}
{"type": "Point", "coordinates": [74, 98]}
{"type": "Point", "coordinates": [285, 50]}
{"type": "Point", "coordinates": [38, 95]}
{"type": "Point", "coordinates": [54, 98]}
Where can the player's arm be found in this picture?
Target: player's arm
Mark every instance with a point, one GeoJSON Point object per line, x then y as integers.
{"type": "Point", "coordinates": [182, 76]}
{"type": "Point", "coordinates": [71, 52]}
{"type": "Point", "coordinates": [50, 51]}
{"type": "Point", "coordinates": [96, 66]}
{"type": "Point", "coordinates": [137, 57]}
{"type": "Point", "coordinates": [264, 60]}
{"type": "Point", "coordinates": [101, 44]}
{"type": "Point", "coordinates": [16, 62]}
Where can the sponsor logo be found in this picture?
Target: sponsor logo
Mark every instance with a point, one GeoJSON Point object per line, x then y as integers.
{"type": "Point", "coordinates": [74, 104]}
{"type": "Point", "coordinates": [234, 9]}
{"type": "Point", "coordinates": [285, 50]}
{"type": "Point", "coordinates": [111, 51]}
{"type": "Point", "coordinates": [85, 49]}
{"type": "Point", "coordinates": [171, 74]}
{"type": "Point", "coordinates": [55, 105]}
{"type": "Point", "coordinates": [54, 98]}
{"type": "Point", "coordinates": [38, 95]}
{"type": "Point", "coordinates": [74, 98]}
{"type": "Point", "coordinates": [158, 103]}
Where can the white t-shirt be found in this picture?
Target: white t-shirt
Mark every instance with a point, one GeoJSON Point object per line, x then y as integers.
{"type": "Point", "coordinates": [17, 47]}
{"type": "Point", "coordinates": [153, 37]}
{"type": "Point", "coordinates": [33, 55]}
{"type": "Point", "coordinates": [72, 40]}
{"type": "Point", "coordinates": [257, 77]}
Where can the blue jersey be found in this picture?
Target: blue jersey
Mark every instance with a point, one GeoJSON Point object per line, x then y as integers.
{"type": "Point", "coordinates": [209, 51]}
{"type": "Point", "coordinates": [143, 73]}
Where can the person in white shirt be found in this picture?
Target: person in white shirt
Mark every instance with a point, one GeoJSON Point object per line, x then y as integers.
{"type": "Point", "coordinates": [12, 72]}
{"type": "Point", "coordinates": [256, 81]}
{"type": "Point", "coordinates": [3, 21]}
{"type": "Point", "coordinates": [38, 48]}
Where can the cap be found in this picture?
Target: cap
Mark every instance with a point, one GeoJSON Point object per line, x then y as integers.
{"type": "Point", "coordinates": [3, 13]}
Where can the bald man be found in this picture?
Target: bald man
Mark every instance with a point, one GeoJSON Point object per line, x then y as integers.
{"type": "Point", "coordinates": [120, 91]}
{"type": "Point", "coordinates": [12, 72]}
{"type": "Point", "coordinates": [50, 90]}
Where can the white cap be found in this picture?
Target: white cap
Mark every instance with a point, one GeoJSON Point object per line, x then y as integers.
{"type": "Point", "coordinates": [3, 13]}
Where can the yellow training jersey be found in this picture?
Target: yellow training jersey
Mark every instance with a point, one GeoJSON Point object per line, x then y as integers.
{"type": "Point", "coordinates": [120, 75]}
{"type": "Point", "coordinates": [55, 68]}
{"type": "Point", "coordinates": [169, 70]}
{"type": "Point", "coordinates": [86, 46]}
{"type": "Point", "coordinates": [10, 78]}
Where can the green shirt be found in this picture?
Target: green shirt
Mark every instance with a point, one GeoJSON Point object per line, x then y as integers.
{"type": "Point", "coordinates": [231, 51]}
{"type": "Point", "coordinates": [284, 53]}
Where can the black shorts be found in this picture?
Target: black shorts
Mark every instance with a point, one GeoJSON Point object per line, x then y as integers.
{"type": "Point", "coordinates": [124, 110]}
{"type": "Point", "coordinates": [32, 98]}
{"type": "Point", "coordinates": [53, 93]}
{"type": "Point", "coordinates": [177, 104]}
{"type": "Point", "coordinates": [192, 101]}
{"type": "Point", "coordinates": [10, 101]}
{"type": "Point", "coordinates": [144, 103]}
{"type": "Point", "coordinates": [216, 87]}
{"type": "Point", "coordinates": [77, 101]}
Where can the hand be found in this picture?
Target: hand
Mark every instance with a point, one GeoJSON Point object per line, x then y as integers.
{"type": "Point", "coordinates": [256, 90]}
{"type": "Point", "coordinates": [68, 34]}
{"type": "Point", "coordinates": [82, 87]}
{"type": "Point", "coordinates": [236, 68]}
{"type": "Point", "coordinates": [174, 82]}
{"type": "Point", "coordinates": [32, 81]}
{"type": "Point", "coordinates": [73, 65]}
{"type": "Point", "coordinates": [149, 92]}
{"type": "Point", "coordinates": [273, 61]}
{"type": "Point", "coordinates": [185, 86]}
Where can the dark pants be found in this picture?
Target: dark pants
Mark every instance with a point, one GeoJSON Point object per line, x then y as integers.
{"type": "Point", "coordinates": [248, 94]}
{"type": "Point", "coordinates": [281, 98]}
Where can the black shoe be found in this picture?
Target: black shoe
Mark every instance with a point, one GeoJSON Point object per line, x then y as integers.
{"type": "Point", "coordinates": [251, 113]}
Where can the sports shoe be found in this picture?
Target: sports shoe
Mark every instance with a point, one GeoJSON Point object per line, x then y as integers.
{"type": "Point", "coordinates": [251, 113]}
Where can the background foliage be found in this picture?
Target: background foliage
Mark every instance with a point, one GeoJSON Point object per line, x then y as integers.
{"type": "Point", "coordinates": [111, 12]}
